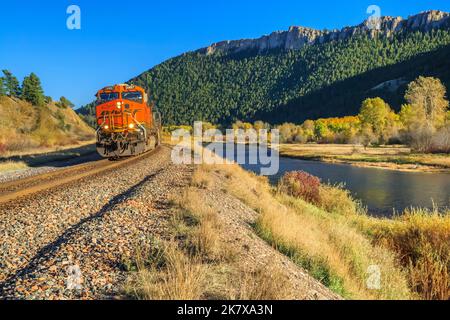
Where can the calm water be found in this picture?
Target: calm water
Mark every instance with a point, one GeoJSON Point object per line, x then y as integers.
{"type": "Point", "coordinates": [382, 191]}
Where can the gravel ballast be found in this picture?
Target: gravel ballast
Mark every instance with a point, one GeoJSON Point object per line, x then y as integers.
{"type": "Point", "coordinates": [70, 243]}
{"type": "Point", "coordinates": [46, 168]}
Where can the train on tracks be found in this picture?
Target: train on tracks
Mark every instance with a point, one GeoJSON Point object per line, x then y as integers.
{"type": "Point", "coordinates": [127, 124]}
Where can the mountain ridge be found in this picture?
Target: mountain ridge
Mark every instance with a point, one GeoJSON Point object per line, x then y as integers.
{"type": "Point", "coordinates": [297, 37]}
{"type": "Point", "coordinates": [325, 78]}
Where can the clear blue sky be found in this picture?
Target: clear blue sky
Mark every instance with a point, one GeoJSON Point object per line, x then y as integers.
{"type": "Point", "coordinates": [120, 39]}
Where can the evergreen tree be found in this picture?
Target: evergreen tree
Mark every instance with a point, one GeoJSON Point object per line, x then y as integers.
{"type": "Point", "coordinates": [11, 83]}
{"type": "Point", "coordinates": [32, 90]}
{"type": "Point", "coordinates": [2, 87]}
{"type": "Point", "coordinates": [65, 103]}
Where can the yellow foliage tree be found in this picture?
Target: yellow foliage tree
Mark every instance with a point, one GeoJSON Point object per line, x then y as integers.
{"type": "Point", "coordinates": [377, 115]}
{"type": "Point", "coordinates": [426, 95]}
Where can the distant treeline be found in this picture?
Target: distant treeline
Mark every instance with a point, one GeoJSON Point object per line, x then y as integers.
{"type": "Point", "coordinates": [30, 90]}
{"type": "Point", "coordinates": [423, 122]}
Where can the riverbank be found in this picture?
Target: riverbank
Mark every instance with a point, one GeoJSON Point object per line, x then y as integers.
{"type": "Point", "coordinates": [390, 157]}
{"type": "Point", "coordinates": [235, 236]}
{"type": "Point", "coordinates": [334, 239]}
{"type": "Point", "coordinates": [210, 250]}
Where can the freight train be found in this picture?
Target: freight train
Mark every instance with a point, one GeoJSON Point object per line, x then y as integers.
{"type": "Point", "coordinates": [127, 124]}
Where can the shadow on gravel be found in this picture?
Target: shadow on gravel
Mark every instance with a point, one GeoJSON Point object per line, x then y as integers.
{"type": "Point", "coordinates": [49, 251]}
{"type": "Point", "coordinates": [58, 159]}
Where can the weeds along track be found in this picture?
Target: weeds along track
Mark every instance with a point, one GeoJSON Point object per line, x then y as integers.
{"type": "Point", "coordinates": [17, 189]}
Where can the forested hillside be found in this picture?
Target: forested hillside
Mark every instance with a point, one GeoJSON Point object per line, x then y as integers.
{"type": "Point", "coordinates": [319, 80]}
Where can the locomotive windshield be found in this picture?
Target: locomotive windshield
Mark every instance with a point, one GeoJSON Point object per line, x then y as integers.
{"type": "Point", "coordinates": [133, 96]}
{"type": "Point", "coordinates": [105, 97]}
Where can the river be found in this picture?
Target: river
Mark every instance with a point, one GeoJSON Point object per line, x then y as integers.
{"type": "Point", "coordinates": [383, 192]}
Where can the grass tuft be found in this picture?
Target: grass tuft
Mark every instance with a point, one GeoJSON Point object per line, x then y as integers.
{"type": "Point", "coordinates": [179, 277]}
{"type": "Point", "coordinates": [422, 240]}
{"type": "Point", "coordinates": [7, 166]}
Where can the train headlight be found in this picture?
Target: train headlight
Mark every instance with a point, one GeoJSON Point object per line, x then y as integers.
{"type": "Point", "coordinates": [131, 126]}
{"type": "Point", "coordinates": [106, 127]}
{"type": "Point", "coordinates": [119, 105]}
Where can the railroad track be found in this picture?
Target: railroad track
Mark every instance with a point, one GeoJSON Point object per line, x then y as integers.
{"type": "Point", "coordinates": [11, 191]}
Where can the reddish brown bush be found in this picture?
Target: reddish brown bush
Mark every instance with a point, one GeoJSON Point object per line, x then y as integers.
{"type": "Point", "coordinates": [302, 185]}
{"type": "Point", "coordinates": [2, 148]}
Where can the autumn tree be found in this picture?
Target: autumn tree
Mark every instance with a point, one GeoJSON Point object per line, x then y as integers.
{"type": "Point", "coordinates": [407, 116]}
{"type": "Point", "coordinates": [376, 115]}
{"type": "Point", "coordinates": [308, 129]}
{"type": "Point", "coordinates": [424, 117]}
{"type": "Point", "coordinates": [367, 136]}
{"type": "Point", "coordinates": [287, 131]}
{"type": "Point", "coordinates": [11, 84]}
{"type": "Point", "coordinates": [32, 90]}
{"type": "Point", "coordinates": [260, 125]}
{"type": "Point", "coordinates": [321, 131]}
{"type": "Point", "coordinates": [426, 95]}
{"type": "Point", "coordinates": [239, 125]}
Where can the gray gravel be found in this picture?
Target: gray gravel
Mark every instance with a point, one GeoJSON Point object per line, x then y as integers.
{"type": "Point", "coordinates": [85, 229]}
{"type": "Point", "coordinates": [48, 167]}
{"type": "Point", "coordinates": [24, 173]}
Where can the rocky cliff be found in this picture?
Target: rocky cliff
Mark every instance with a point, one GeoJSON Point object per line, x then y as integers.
{"type": "Point", "coordinates": [297, 37]}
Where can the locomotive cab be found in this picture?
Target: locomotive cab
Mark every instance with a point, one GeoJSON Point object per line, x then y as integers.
{"type": "Point", "coordinates": [127, 125]}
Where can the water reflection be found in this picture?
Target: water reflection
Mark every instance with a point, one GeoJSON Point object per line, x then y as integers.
{"type": "Point", "coordinates": [382, 191]}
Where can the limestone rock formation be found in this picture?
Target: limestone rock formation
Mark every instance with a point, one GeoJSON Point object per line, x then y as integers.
{"type": "Point", "coordinates": [297, 37]}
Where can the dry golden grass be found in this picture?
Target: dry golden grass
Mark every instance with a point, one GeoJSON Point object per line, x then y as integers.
{"type": "Point", "coordinates": [337, 242]}
{"type": "Point", "coordinates": [333, 240]}
{"type": "Point", "coordinates": [344, 149]}
{"type": "Point", "coordinates": [324, 243]}
{"type": "Point", "coordinates": [12, 166]}
{"type": "Point", "coordinates": [266, 282]}
{"type": "Point", "coordinates": [25, 128]}
{"type": "Point", "coordinates": [422, 239]}
{"type": "Point", "coordinates": [201, 179]}
{"type": "Point", "coordinates": [176, 277]}
{"type": "Point", "coordinates": [199, 223]}
{"type": "Point", "coordinates": [201, 265]}
{"type": "Point", "coordinates": [335, 198]}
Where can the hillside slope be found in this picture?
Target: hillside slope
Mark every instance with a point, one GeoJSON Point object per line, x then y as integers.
{"type": "Point", "coordinates": [299, 74]}
{"type": "Point", "coordinates": [24, 127]}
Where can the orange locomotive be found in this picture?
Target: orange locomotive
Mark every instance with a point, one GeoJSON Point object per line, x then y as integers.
{"type": "Point", "coordinates": [127, 125]}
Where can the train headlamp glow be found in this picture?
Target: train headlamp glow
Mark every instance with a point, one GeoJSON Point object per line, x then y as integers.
{"type": "Point", "coordinates": [131, 126]}
{"type": "Point", "coordinates": [119, 105]}
{"type": "Point", "coordinates": [106, 127]}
